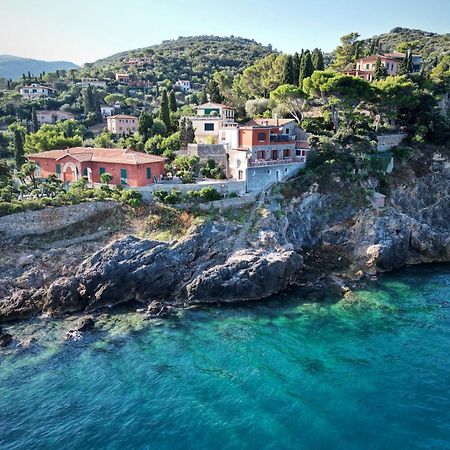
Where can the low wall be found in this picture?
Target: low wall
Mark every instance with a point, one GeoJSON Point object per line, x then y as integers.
{"type": "Point", "coordinates": [236, 202]}
{"type": "Point", "coordinates": [215, 152]}
{"type": "Point", "coordinates": [259, 178]}
{"type": "Point", "coordinates": [388, 141]}
{"type": "Point", "coordinates": [51, 218]}
{"type": "Point", "coordinates": [222, 186]}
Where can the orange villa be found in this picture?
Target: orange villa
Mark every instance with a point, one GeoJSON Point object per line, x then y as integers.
{"type": "Point", "coordinates": [127, 167]}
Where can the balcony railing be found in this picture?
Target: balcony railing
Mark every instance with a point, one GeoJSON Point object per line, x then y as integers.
{"type": "Point", "coordinates": [275, 162]}
{"type": "Point", "coordinates": [281, 138]}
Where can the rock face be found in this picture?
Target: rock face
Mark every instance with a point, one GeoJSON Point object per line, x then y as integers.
{"type": "Point", "coordinates": [294, 239]}
{"type": "Point", "coordinates": [5, 338]}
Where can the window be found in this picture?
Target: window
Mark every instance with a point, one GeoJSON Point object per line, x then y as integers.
{"type": "Point", "coordinates": [367, 66]}
{"type": "Point", "coordinates": [261, 136]}
{"type": "Point", "coordinates": [240, 175]}
{"type": "Point", "coordinates": [209, 127]}
{"type": "Point", "coordinates": [123, 176]}
{"type": "Point", "coordinates": [286, 153]}
{"type": "Point", "coordinates": [85, 174]}
{"type": "Point", "coordinates": [37, 172]}
{"type": "Point", "coordinates": [58, 169]}
{"type": "Point", "coordinates": [101, 170]}
{"type": "Point", "coordinates": [260, 154]}
{"type": "Point", "coordinates": [149, 173]}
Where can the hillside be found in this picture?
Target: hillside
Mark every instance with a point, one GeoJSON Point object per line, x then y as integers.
{"type": "Point", "coordinates": [425, 43]}
{"type": "Point", "coordinates": [14, 66]}
{"type": "Point", "coordinates": [195, 58]}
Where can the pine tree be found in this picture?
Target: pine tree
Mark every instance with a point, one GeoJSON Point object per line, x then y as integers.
{"type": "Point", "coordinates": [172, 102]}
{"type": "Point", "coordinates": [164, 111]}
{"type": "Point", "coordinates": [288, 71]}
{"type": "Point", "coordinates": [34, 120]}
{"type": "Point", "coordinates": [296, 67]}
{"type": "Point", "coordinates": [379, 71]}
{"type": "Point", "coordinates": [306, 67]}
{"type": "Point", "coordinates": [317, 59]}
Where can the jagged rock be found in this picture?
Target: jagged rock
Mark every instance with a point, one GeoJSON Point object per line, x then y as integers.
{"type": "Point", "coordinates": [86, 324]}
{"type": "Point", "coordinates": [157, 309]}
{"type": "Point", "coordinates": [5, 338]}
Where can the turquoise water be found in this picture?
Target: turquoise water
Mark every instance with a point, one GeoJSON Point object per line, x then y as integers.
{"type": "Point", "coordinates": [368, 372]}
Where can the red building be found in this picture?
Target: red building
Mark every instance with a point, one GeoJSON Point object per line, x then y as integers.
{"type": "Point", "coordinates": [127, 167]}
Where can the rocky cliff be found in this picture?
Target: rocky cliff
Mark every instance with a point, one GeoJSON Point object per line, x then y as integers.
{"type": "Point", "coordinates": [309, 237]}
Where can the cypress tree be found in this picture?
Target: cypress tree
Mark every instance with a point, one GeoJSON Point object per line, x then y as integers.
{"type": "Point", "coordinates": [288, 71]}
{"type": "Point", "coordinates": [145, 125]}
{"type": "Point", "coordinates": [296, 67]}
{"type": "Point", "coordinates": [317, 59]}
{"type": "Point", "coordinates": [212, 88]}
{"type": "Point", "coordinates": [379, 71]}
{"type": "Point", "coordinates": [406, 65]}
{"type": "Point", "coordinates": [164, 112]}
{"type": "Point", "coordinates": [34, 120]}
{"type": "Point", "coordinates": [19, 152]}
{"type": "Point", "coordinates": [172, 102]}
{"type": "Point", "coordinates": [306, 67]}
{"type": "Point", "coordinates": [203, 97]}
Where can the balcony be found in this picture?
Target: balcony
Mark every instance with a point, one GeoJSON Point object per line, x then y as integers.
{"type": "Point", "coordinates": [281, 138]}
{"type": "Point", "coordinates": [275, 162]}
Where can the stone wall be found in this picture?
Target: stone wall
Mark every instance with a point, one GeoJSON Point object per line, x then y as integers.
{"type": "Point", "coordinates": [260, 177]}
{"type": "Point", "coordinates": [223, 186]}
{"type": "Point", "coordinates": [216, 152]}
{"type": "Point", "coordinates": [235, 202]}
{"type": "Point", "coordinates": [388, 141]}
{"type": "Point", "coordinates": [50, 219]}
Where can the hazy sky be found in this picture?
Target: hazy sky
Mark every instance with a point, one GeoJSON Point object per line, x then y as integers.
{"type": "Point", "coordinates": [86, 30]}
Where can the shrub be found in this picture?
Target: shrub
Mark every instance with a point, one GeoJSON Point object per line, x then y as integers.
{"type": "Point", "coordinates": [131, 198]}
{"type": "Point", "coordinates": [209, 194]}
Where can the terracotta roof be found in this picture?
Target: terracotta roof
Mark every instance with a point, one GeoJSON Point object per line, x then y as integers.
{"type": "Point", "coordinates": [122, 116]}
{"type": "Point", "coordinates": [268, 122]}
{"type": "Point", "coordinates": [213, 105]}
{"type": "Point", "coordinates": [107, 155]}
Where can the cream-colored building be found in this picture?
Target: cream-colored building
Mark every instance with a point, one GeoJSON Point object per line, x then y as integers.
{"type": "Point", "coordinates": [210, 118]}
{"type": "Point", "coordinates": [44, 116]}
{"type": "Point", "coordinates": [122, 124]}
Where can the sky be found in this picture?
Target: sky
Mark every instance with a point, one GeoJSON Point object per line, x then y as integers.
{"type": "Point", "coordinates": [86, 30]}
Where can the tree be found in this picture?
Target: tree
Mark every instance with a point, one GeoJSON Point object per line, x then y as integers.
{"type": "Point", "coordinates": [256, 107]}
{"type": "Point", "coordinates": [106, 178]}
{"type": "Point", "coordinates": [111, 99]}
{"type": "Point", "coordinates": [145, 125]}
{"type": "Point", "coordinates": [91, 103]}
{"type": "Point", "coordinates": [347, 52]}
{"type": "Point", "coordinates": [203, 97]}
{"type": "Point", "coordinates": [261, 78]}
{"type": "Point", "coordinates": [212, 88]}
{"type": "Point", "coordinates": [340, 94]}
{"type": "Point", "coordinates": [292, 98]}
{"type": "Point", "coordinates": [164, 112]}
{"type": "Point", "coordinates": [306, 67]}
{"type": "Point", "coordinates": [288, 71]}
{"type": "Point", "coordinates": [379, 71]}
{"type": "Point", "coordinates": [317, 59]}
{"type": "Point", "coordinates": [18, 137]}
{"type": "Point", "coordinates": [187, 132]}
{"type": "Point", "coordinates": [172, 102]}
{"type": "Point", "coordinates": [34, 120]}
{"type": "Point", "coordinates": [296, 68]}
{"type": "Point", "coordinates": [406, 65]}
{"type": "Point", "coordinates": [104, 140]}
{"type": "Point", "coordinates": [159, 127]}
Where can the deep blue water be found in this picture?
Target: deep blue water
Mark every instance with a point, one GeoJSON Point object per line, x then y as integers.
{"type": "Point", "coordinates": [368, 372]}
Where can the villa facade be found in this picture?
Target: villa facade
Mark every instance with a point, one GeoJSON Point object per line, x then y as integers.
{"type": "Point", "coordinates": [127, 167]}
{"type": "Point", "coordinates": [35, 90]}
{"type": "Point", "coordinates": [122, 124]}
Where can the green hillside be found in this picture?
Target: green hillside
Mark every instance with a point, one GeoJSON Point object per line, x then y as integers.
{"type": "Point", "coordinates": [429, 45]}
{"type": "Point", "coordinates": [14, 66]}
{"type": "Point", "coordinates": [194, 58]}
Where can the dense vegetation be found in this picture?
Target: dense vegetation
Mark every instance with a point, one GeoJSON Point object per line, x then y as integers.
{"type": "Point", "coordinates": [192, 58]}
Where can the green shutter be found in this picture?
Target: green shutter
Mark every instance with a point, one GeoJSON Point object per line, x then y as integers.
{"type": "Point", "coordinates": [58, 169]}
{"type": "Point", "coordinates": [102, 170]}
{"type": "Point", "coordinates": [123, 176]}
{"type": "Point", "coordinates": [149, 173]}
{"type": "Point", "coordinates": [85, 172]}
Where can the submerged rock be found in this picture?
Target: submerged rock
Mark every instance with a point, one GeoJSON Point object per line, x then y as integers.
{"type": "Point", "coordinates": [86, 324]}
{"type": "Point", "coordinates": [5, 338]}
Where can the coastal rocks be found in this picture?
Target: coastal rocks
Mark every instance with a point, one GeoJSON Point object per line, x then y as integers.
{"type": "Point", "coordinates": [5, 338]}
{"type": "Point", "coordinates": [246, 276]}
{"type": "Point", "coordinates": [86, 324]}
{"type": "Point", "coordinates": [158, 310]}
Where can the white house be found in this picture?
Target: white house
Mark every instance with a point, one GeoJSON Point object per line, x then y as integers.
{"type": "Point", "coordinates": [45, 116]}
{"type": "Point", "coordinates": [183, 85]}
{"type": "Point", "coordinates": [94, 82]}
{"type": "Point", "coordinates": [35, 90]}
{"type": "Point", "coordinates": [107, 110]}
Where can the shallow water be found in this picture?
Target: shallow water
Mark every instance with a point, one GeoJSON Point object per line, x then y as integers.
{"type": "Point", "coordinates": [371, 371]}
